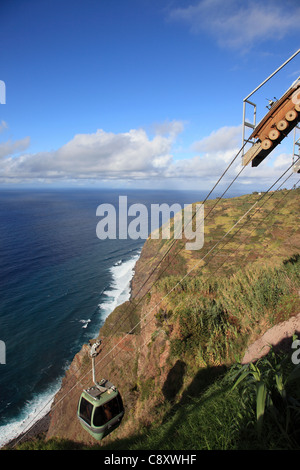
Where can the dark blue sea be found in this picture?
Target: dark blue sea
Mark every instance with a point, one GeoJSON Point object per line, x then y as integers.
{"type": "Point", "coordinates": [58, 283]}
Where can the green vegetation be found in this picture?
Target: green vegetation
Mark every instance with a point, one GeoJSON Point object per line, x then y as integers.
{"type": "Point", "coordinates": [216, 317]}
{"type": "Point", "coordinates": [216, 413]}
{"type": "Point", "coordinates": [186, 388]}
{"type": "Point", "coordinates": [274, 382]}
{"type": "Point", "coordinates": [225, 405]}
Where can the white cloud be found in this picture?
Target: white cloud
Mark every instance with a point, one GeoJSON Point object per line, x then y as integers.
{"type": "Point", "coordinates": [133, 156]}
{"type": "Point", "coordinates": [126, 156]}
{"type": "Point", "coordinates": [221, 140]}
{"type": "Point", "coordinates": [283, 161]}
{"type": "Point", "coordinates": [98, 155]}
{"type": "Point", "coordinates": [240, 24]}
{"type": "Point", "coordinates": [9, 148]}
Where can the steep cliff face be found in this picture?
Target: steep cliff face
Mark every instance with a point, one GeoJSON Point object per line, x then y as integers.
{"type": "Point", "coordinates": [134, 356]}
{"type": "Point", "coordinates": [138, 337]}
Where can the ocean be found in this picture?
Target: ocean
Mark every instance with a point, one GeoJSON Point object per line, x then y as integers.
{"type": "Point", "coordinates": [58, 283]}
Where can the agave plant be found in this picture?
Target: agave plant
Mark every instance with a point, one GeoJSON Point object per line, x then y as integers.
{"type": "Point", "coordinates": [252, 373]}
{"type": "Point", "coordinates": [273, 380]}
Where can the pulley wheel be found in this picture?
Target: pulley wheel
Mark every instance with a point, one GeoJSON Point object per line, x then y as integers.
{"type": "Point", "coordinates": [291, 115]}
{"type": "Point", "coordinates": [282, 125]}
{"type": "Point", "coordinates": [266, 144]}
{"type": "Point", "coordinates": [274, 134]}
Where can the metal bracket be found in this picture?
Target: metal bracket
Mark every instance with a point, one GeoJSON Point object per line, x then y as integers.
{"type": "Point", "coordinates": [93, 353]}
{"type": "Point", "coordinates": [248, 124]}
{"type": "Point", "coordinates": [93, 348]}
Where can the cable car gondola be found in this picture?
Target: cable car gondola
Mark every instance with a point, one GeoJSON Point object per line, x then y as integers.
{"type": "Point", "coordinates": [100, 407]}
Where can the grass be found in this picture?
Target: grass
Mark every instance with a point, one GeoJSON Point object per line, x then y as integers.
{"type": "Point", "coordinates": [219, 412]}
{"type": "Point", "coordinates": [206, 321]}
{"type": "Point", "coordinates": [216, 415]}
{"type": "Point", "coordinates": [215, 317]}
{"type": "Point", "coordinates": [218, 419]}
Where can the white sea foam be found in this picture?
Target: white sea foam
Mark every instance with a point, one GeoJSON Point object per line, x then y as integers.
{"type": "Point", "coordinates": [120, 288]}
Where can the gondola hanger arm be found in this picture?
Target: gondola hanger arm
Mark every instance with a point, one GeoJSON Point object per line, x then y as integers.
{"type": "Point", "coordinates": [93, 348]}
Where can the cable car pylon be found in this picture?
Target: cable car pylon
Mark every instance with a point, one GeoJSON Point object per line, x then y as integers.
{"type": "Point", "coordinates": [282, 117]}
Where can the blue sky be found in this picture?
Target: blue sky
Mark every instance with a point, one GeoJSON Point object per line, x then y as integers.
{"type": "Point", "coordinates": [139, 93]}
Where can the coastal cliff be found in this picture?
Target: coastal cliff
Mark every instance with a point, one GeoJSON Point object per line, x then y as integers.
{"type": "Point", "coordinates": [154, 345]}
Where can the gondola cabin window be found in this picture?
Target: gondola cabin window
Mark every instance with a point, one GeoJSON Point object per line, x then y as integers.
{"type": "Point", "coordinates": [85, 411]}
{"type": "Point", "coordinates": [107, 412]}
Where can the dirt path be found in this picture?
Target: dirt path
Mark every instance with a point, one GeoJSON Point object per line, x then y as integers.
{"type": "Point", "coordinates": [279, 337]}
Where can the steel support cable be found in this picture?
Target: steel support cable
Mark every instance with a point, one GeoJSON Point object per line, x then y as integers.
{"type": "Point", "coordinates": [223, 195]}
{"type": "Point", "coordinates": [195, 265]}
{"type": "Point", "coordinates": [211, 258]}
{"type": "Point", "coordinates": [132, 307]}
{"type": "Point", "coordinates": [33, 421]}
{"type": "Point", "coordinates": [123, 317]}
{"type": "Point", "coordinates": [251, 217]}
{"type": "Point", "coordinates": [206, 264]}
{"type": "Point", "coordinates": [111, 350]}
{"type": "Point", "coordinates": [258, 223]}
{"type": "Point", "coordinates": [263, 195]}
